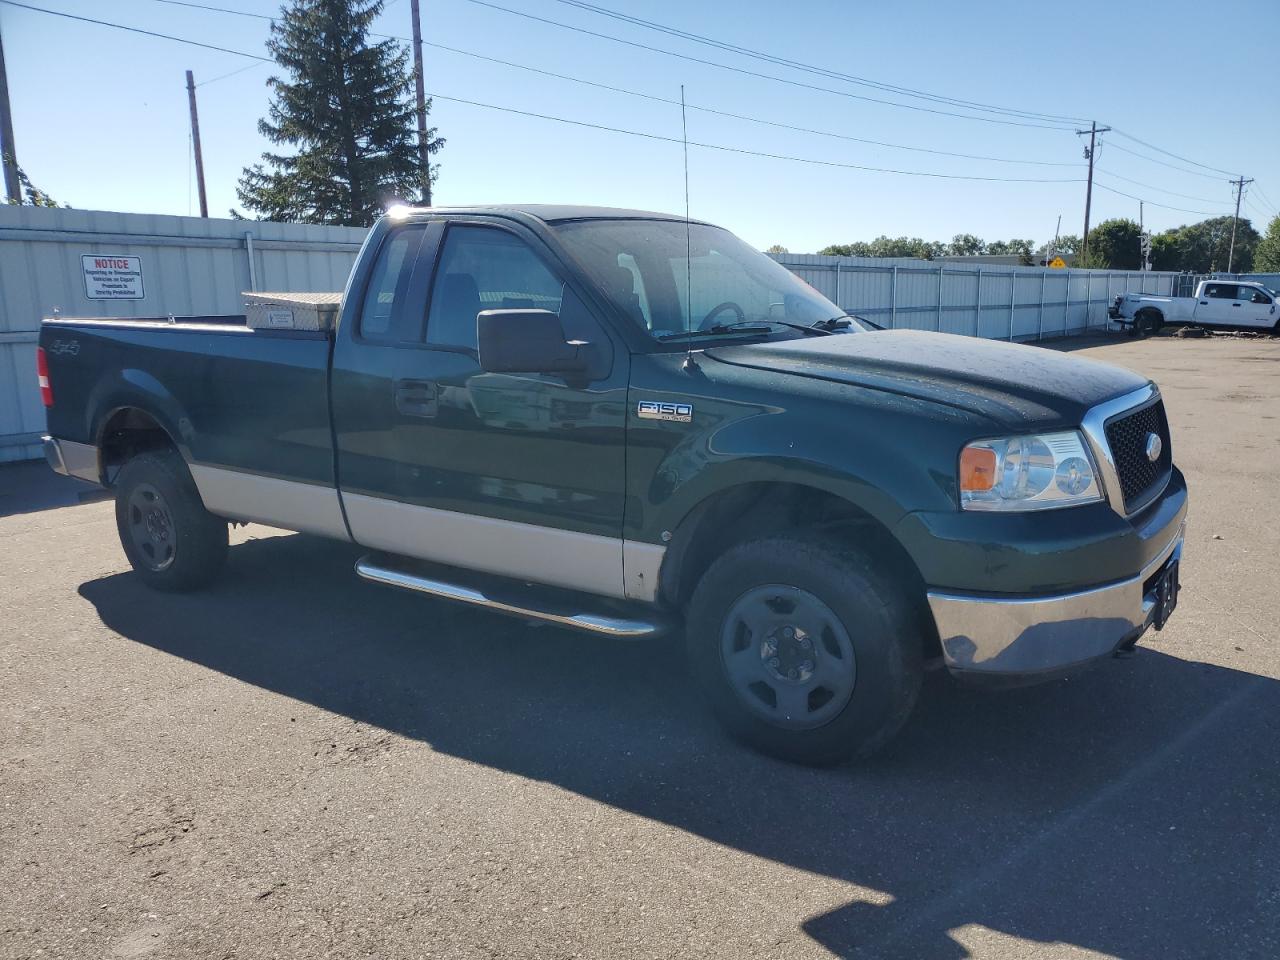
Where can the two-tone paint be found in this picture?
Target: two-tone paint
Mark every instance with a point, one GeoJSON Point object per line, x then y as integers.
{"type": "Point", "coordinates": [415, 450]}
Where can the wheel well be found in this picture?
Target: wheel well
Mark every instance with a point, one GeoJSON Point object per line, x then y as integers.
{"type": "Point", "coordinates": [128, 432]}
{"type": "Point", "coordinates": [1151, 312]}
{"type": "Point", "coordinates": [756, 510]}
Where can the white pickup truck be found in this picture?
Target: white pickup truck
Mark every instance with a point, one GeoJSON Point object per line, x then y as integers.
{"type": "Point", "coordinates": [1217, 303]}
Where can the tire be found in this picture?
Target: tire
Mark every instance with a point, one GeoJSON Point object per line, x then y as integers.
{"type": "Point", "coordinates": [841, 695]}
{"type": "Point", "coordinates": [173, 543]}
{"type": "Point", "coordinates": [1147, 323]}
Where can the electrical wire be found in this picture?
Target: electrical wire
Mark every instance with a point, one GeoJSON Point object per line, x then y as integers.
{"type": "Point", "coordinates": [1140, 183]}
{"type": "Point", "coordinates": [810, 68]}
{"type": "Point", "coordinates": [1152, 146]}
{"type": "Point", "coordinates": [738, 116]}
{"type": "Point", "coordinates": [763, 76]}
{"type": "Point", "coordinates": [147, 33]}
{"type": "Point", "coordinates": [751, 153]}
{"type": "Point", "coordinates": [645, 96]}
{"type": "Point", "coordinates": [1164, 206]}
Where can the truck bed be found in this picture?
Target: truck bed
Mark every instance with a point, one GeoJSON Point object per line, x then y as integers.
{"type": "Point", "coordinates": [233, 397]}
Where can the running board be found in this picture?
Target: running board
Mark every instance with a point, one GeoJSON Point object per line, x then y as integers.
{"type": "Point", "coordinates": [551, 605]}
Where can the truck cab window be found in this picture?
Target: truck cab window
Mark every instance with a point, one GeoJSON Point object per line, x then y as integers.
{"type": "Point", "coordinates": [1253, 295]}
{"type": "Point", "coordinates": [1220, 291]}
{"type": "Point", "coordinates": [383, 316]}
{"type": "Point", "coordinates": [482, 268]}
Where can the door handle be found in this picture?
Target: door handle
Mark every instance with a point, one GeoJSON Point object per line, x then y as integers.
{"type": "Point", "coordinates": [1204, 303]}
{"type": "Point", "coordinates": [416, 398]}
{"type": "Point", "coordinates": [1235, 304]}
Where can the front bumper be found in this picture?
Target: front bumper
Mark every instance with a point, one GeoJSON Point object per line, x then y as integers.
{"type": "Point", "coordinates": [1030, 637]}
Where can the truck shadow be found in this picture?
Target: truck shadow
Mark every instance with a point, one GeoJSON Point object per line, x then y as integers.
{"type": "Point", "coordinates": [1131, 811]}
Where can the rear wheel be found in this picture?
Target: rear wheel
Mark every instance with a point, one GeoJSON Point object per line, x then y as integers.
{"type": "Point", "coordinates": [1147, 322]}
{"type": "Point", "coordinates": [805, 650]}
{"type": "Point", "coordinates": [171, 540]}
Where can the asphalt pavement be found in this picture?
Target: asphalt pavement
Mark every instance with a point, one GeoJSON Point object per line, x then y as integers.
{"type": "Point", "coordinates": [297, 763]}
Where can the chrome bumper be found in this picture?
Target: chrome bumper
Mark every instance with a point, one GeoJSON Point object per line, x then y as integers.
{"type": "Point", "coordinates": [1026, 636]}
{"type": "Point", "coordinates": [71, 459]}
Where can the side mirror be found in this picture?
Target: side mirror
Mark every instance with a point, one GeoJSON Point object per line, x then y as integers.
{"type": "Point", "coordinates": [527, 341]}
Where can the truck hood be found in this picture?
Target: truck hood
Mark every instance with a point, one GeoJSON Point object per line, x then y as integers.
{"type": "Point", "coordinates": [1010, 384]}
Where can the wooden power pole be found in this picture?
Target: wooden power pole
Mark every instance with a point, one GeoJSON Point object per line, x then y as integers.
{"type": "Point", "coordinates": [1093, 132]}
{"type": "Point", "coordinates": [423, 152]}
{"type": "Point", "coordinates": [1239, 184]}
{"type": "Point", "coordinates": [12, 188]}
{"type": "Point", "coordinates": [195, 144]}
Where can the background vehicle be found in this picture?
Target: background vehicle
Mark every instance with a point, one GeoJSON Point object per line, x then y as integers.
{"type": "Point", "coordinates": [1217, 303]}
{"type": "Point", "coordinates": [619, 421]}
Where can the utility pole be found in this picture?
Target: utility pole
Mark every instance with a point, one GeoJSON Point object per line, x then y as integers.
{"type": "Point", "coordinates": [423, 154]}
{"type": "Point", "coordinates": [1093, 132]}
{"type": "Point", "coordinates": [12, 188]}
{"type": "Point", "coordinates": [1239, 184]}
{"type": "Point", "coordinates": [195, 143]}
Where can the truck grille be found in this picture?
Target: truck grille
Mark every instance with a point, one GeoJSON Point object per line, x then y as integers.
{"type": "Point", "coordinates": [1140, 477]}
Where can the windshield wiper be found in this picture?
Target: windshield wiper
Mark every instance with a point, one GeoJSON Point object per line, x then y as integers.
{"type": "Point", "coordinates": [745, 327]}
{"type": "Point", "coordinates": [842, 320]}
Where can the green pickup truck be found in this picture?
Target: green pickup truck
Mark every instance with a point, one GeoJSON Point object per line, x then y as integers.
{"type": "Point", "coordinates": [628, 423]}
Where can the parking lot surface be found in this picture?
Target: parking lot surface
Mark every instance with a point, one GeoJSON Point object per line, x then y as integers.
{"type": "Point", "coordinates": [297, 763]}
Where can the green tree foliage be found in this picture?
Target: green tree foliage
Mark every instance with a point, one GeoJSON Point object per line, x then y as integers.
{"type": "Point", "coordinates": [1115, 245]}
{"type": "Point", "coordinates": [1266, 257]}
{"type": "Point", "coordinates": [1202, 247]}
{"type": "Point", "coordinates": [345, 111]}
{"type": "Point", "coordinates": [777, 248]}
{"type": "Point", "coordinates": [966, 245]}
{"type": "Point", "coordinates": [886, 247]}
{"type": "Point", "coordinates": [29, 194]}
{"type": "Point", "coordinates": [1066, 243]}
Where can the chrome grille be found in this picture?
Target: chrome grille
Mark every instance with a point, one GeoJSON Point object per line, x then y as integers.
{"type": "Point", "coordinates": [1127, 435]}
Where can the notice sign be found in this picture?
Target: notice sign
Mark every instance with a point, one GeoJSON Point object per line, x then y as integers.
{"type": "Point", "coordinates": [112, 278]}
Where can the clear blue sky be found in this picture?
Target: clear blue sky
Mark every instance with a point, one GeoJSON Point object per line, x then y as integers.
{"type": "Point", "coordinates": [101, 115]}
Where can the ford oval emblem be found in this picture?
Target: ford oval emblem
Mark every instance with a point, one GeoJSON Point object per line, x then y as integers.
{"type": "Point", "coordinates": [1155, 446]}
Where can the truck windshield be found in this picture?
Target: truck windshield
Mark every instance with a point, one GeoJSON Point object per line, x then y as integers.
{"type": "Point", "coordinates": [707, 283]}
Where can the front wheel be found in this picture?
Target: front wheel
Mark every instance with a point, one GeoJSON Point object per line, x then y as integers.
{"type": "Point", "coordinates": [806, 651]}
{"type": "Point", "coordinates": [1147, 323]}
{"type": "Point", "coordinates": [171, 540]}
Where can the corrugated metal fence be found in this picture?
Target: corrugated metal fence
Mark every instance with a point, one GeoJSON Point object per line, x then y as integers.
{"type": "Point", "coordinates": [1019, 303]}
{"type": "Point", "coordinates": [187, 265]}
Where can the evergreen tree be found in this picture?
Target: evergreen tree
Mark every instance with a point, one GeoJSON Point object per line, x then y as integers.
{"type": "Point", "coordinates": [345, 110]}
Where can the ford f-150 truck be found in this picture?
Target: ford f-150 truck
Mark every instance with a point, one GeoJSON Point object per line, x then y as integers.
{"type": "Point", "coordinates": [624, 422]}
{"type": "Point", "coordinates": [1217, 303]}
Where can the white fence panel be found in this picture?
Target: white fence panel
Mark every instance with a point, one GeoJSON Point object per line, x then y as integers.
{"type": "Point", "coordinates": [189, 266]}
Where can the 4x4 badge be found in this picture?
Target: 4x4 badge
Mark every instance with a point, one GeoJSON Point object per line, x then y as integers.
{"type": "Point", "coordinates": [657, 410]}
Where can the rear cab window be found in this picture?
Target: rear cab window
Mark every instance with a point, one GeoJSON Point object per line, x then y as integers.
{"type": "Point", "coordinates": [383, 315]}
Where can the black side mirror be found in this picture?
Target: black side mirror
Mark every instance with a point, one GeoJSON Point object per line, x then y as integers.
{"type": "Point", "coordinates": [527, 341]}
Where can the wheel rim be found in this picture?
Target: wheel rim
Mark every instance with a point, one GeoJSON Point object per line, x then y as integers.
{"type": "Point", "coordinates": [151, 527]}
{"type": "Point", "coordinates": [787, 656]}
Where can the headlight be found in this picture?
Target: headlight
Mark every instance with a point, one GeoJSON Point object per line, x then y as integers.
{"type": "Point", "coordinates": [1037, 472]}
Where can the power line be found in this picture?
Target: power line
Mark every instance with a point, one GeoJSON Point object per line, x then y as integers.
{"type": "Point", "coordinates": [1164, 163]}
{"type": "Point", "coordinates": [762, 76]}
{"type": "Point", "coordinates": [1152, 146]}
{"type": "Point", "coordinates": [646, 96]}
{"type": "Point", "coordinates": [1164, 206]}
{"type": "Point", "coordinates": [1140, 183]}
{"type": "Point", "coordinates": [739, 116]}
{"type": "Point", "coordinates": [147, 33]}
{"type": "Point", "coordinates": [807, 67]}
{"type": "Point", "coordinates": [751, 153]}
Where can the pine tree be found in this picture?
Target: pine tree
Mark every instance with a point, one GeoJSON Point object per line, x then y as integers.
{"type": "Point", "coordinates": [345, 110]}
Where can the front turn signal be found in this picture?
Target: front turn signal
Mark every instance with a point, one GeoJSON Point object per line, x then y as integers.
{"type": "Point", "coordinates": [977, 469]}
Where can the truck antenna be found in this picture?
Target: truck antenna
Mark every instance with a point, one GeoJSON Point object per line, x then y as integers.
{"type": "Point", "coordinates": [689, 363]}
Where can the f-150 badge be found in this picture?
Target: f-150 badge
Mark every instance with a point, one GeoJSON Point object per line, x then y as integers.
{"type": "Point", "coordinates": [656, 410]}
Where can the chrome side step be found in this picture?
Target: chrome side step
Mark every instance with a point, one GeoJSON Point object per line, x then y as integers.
{"type": "Point", "coordinates": [560, 607]}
